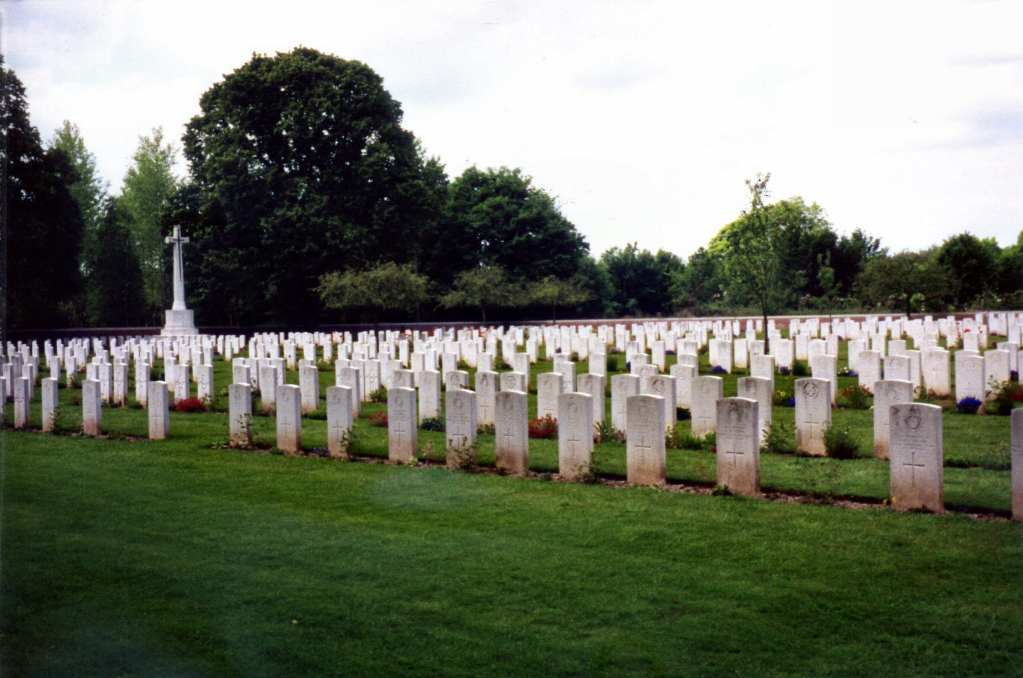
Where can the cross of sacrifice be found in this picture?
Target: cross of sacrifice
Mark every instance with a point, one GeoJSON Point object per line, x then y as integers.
{"type": "Point", "coordinates": [176, 240]}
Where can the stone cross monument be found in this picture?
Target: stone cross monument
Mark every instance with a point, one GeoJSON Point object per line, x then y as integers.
{"type": "Point", "coordinates": [179, 318]}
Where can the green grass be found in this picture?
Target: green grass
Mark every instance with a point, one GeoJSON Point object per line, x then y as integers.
{"type": "Point", "coordinates": [125, 557]}
{"type": "Point", "coordinates": [160, 558]}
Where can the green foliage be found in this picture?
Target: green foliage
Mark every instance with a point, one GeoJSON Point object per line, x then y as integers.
{"type": "Point", "coordinates": [385, 287]}
{"type": "Point", "coordinates": [612, 363]}
{"type": "Point", "coordinates": [302, 154]}
{"type": "Point", "coordinates": [855, 397]}
{"type": "Point", "coordinates": [149, 185]}
{"type": "Point", "coordinates": [604, 432]}
{"type": "Point", "coordinates": [432, 424]}
{"type": "Point", "coordinates": [378, 395]}
{"type": "Point", "coordinates": [114, 297]}
{"type": "Point", "coordinates": [907, 281]}
{"type": "Point", "coordinates": [1007, 396]}
{"type": "Point", "coordinates": [499, 219]}
{"type": "Point", "coordinates": [800, 369]}
{"type": "Point", "coordinates": [840, 443]}
{"type": "Point", "coordinates": [44, 225]}
{"type": "Point", "coordinates": [968, 263]}
{"type": "Point", "coordinates": [482, 288]}
{"type": "Point", "coordinates": [780, 439]}
{"type": "Point", "coordinates": [642, 281]}
{"type": "Point", "coordinates": [677, 438]}
{"type": "Point", "coordinates": [317, 415]}
{"type": "Point", "coordinates": [554, 293]}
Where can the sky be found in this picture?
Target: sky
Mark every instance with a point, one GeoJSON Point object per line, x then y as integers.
{"type": "Point", "coordinates": [644, 119]}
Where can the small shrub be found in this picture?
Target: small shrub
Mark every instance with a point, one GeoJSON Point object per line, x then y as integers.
{"type": "Point", "coordinates": [500, 365]}
{"type": "Point", "coordinates": [378, 395]}
{"type": "Point", "coordinates": [855, 398]}
{"type": "Point", "coordinates": [717, 369]}
{"type": "Point", "coordinates": [839, 443]}
{"type": "Point", "coordinates": [76, 400]}
{"type": "Point", "coordinates": [432, 424]}
{"type": "Point", "coordinates": [779, 439]}
{"type": "Point", "coordinates": [799, 369]}
{"type": "Point", "coordinates": [378, 419]}
{"type": "Point", "coordinates": [682, 414]}
{"type": "Point", "coordinates": [462, 365]}
{"type": "Point", "coordinates": [485, 428]}
{"type": "Point", "coordinates": [465, 458]}
{"type": "Point", "coordinates": [134, 404]}
{"type": "Point", "coordinates": [677, 439]}
{"type": "Point", "coordinates": [784, 371]}
{"type": "Point", "coordinates": [784, 399]}
{"type": "Point", "coordinates": [543, 428]}
{"type": "Point", "coordinates": [317, 415]}
{"type": "Point", "coordinates": [74, 381]}
{"type": "Point", "coordinates": [604, 432]}
{"type": "Point", "coordinates": [968, 405]}
{"type": "Point", "coordinates": [584, 473]}
{"type": "Point", "coordinates": [188, 405]}
{"type": "Point", "coordinates": [430, 452]}
{"type": "Point", "coordinates": [319, 452]}
{"type": "Point", "coordinates": [847, 372]}
{"type": "Point", "coordinates": [721, 491]}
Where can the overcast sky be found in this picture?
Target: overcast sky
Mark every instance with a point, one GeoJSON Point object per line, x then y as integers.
{"type": "Point", "coordinates": [904, 119]}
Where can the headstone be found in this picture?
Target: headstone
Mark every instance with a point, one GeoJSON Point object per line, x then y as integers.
{"type": "Point", "coordinates": [289, 418]}
{"type": "Point", "coordinates": [738, 445]}
{"type": "Point", "coordinates": [268, 389]}
{"type": "Point", "coordinates": [158, 397]}
{"type": "Point", "coordinates": [593, 385]}
{"type": "Point", "coordinates": [429, 395]}
{"type": "Point", "coordinates": [21, 400]}
{"type": "Point", "coordinates": [575, 435]}
{"type": "Point", "coordinates": [402, 434]}
{"type": "Point", "coordinates": [623, 387]}
{"type": "Point", "coordinates": [970, 376]}
{"type": "Point", "coordinates": [51, 404]}
{"type": "Point", "coordinates": [239, 398]}
{"type": "Point", "coordinates": [92, 404]}
{"type": "Point", "coordinates": [456, 379]}
{"type": "Point", "coordinates": [182, 383]}
{"type": "Point", "coordinates": [706, 392]}
{"type": "Point", "coordinates": [351, 378]}
{"type": "Point", "coordinates": [826, 367]}
{"type": "Point", "coordinates": [309, 385]}
{"type": "Point", "coordinates": [813, 414]}
{"type": "Point", "coordinates": [663, 387]}
{"type": "Point", "coordinates": [339, 419]}
{"type": "Point", "coordinates": [142, 383]}
{"type": "Point", "coordinates": [511, 431]}
{"type": "Point", "coordinates": [996, 371]}
{"type": "Point", "coordinates": [936, 373]}
{"type": "Point", "coordinates": [645, 456]}
{"type": "Point", "coordinates": [917, 476]}
{"type": "Point", "coordinates": [896, 367]}
{"type": "Point", "coordinates": [684, 376]}
{"type": "Point", "coordinates": [759, 389]}
{"type": "Point", "coordinates": [460, 426]}
{"type": "Point", "coordinates": [549, 386]}
{"type": "Point", "coordinates": [888, 392]}
{"type": "Point", "coordinates": [120, 396]}
{"type": "Point", "coordinates": [204, 378]}
{"type": "Point", "coordinates": [869, 368]}
{"type": "Point", "coordinates": [514, 381]}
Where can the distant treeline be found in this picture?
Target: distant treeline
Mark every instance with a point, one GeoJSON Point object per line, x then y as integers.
{"type": "Point", "coordinates": [308, 202]}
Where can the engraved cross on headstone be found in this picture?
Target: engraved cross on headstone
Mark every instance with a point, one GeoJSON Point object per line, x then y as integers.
{"type": "Point", "coordinates": [913, 466]}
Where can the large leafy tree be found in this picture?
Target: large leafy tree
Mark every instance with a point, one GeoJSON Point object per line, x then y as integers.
{"type": "Point", "coordinates": [906, 281]}
{"type": "Point", "coordinates": [382, 288]}
{"type": "Point", "coordinates": [850, 255]}
{"type": "Point", "coordinates": [482, 288]}
{"type": "Point", "coordinates": [114, 297]}
{"type": "Point", "coordinates": [699, 288]}
{"type": "Point", "coordinates": [642, 280]}
{"type": "Point", "coordinates": [754, 248]}
{"type": "Point", "coordinates": [498, 218]}
{"type": "Point", "coordinates": [149, 184]}
{"type": "Point", "coordinates": [971, 266]}
{"type": "Point", "coordinates": [302, 165]}
{"type": "Point", "coordinates": [88, 189]}
{"type": "Point", "coordinates": [42, 279]}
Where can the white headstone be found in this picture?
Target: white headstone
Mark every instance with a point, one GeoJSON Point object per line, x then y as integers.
{"type": "Point", "coordinates": [460, 426]}
{"type": "Point", "coordinates": [92, 412]}
{"type": "Point", "coordinates": [511, 431]}
{"type": "Point", "coordinates": [758, 389]}
{"type": "Point", "coordinates": [813, 414]}
{"type": "Point", "coordinates": [239, 398]}
{"type": "Point", "coordinates": [549, 386]}
{"type": "Point", "coordinates": [309, 385]}
{"type": "Point", "coordinates": [706, 392]}
{"type": "Point", "coordinates": [645, 456]}
{"type": "Point", "coordinates": [339, 419]}
{"type": "Point", "coordinates": [917, 476]}
{"type": "Point", "coordinates": [158, 399]}
{"type": "Point", "coordinates": [402, 434]}
{"type": "Point", "coordinates": [429, 395]}
{"type": "Point", "coordinates": [289, 418]}
{"type": "Point", "coordinates": [888, 392]}
{"type": "Point", "coordinates": [623, 387]}
{"type": "Point", "coordinates": [593, 385]}
{"type": "Point", "coordinates": [575, 435]}
{"type": "Point", "coordinates": [738, 445]}
{"type": "Point", "coordinates": [51, 404]}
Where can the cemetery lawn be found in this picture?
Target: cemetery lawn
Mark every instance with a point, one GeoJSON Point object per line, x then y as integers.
{"type": "Point", "coordinates": [131, 557]}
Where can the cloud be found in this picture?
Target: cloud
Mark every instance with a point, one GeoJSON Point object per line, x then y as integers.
{"type": "Point", "coordinates": [644, 118]}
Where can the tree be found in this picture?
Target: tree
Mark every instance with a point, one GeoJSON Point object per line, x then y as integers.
{"type": "Point", "coordinates": [970, 264]}
{"type": "Point", "coordinates": [300, 159]}
{"type": "Point", "coordinates": [498, 218]}
{"type": "Point", "coordinates": [754, 248]}
{"type": "Point", "coordinates": [642, 280]}
{"type": "Point", "coordinates": [382, 288]}
{"type": "Point", "coordinates": [554, 293]}
{"type": "Point", "coordinates": [88, 189]}
{"type": "Point", "coordinates": [42, 281]}
{"type": "Point", "coordinates": [149, 185]}
{"type": "Point", "coordinates": [114, 297]}
{"type": "Point", "coordinates": [850, 255]}
{"type": "Point", "coordinates": [483, 287]}
{"type": "Point", "coordinates": [698, 289]}
{"type": "Point", "coordinates": [903, 281]}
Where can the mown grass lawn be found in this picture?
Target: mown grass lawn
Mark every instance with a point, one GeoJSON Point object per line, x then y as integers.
{"type": "Point", "coordinates": [168, 558]}
{"type": "Point", "coordinates": [131, 557]}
